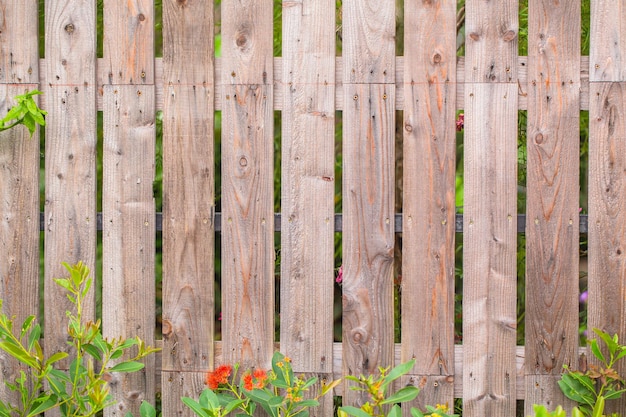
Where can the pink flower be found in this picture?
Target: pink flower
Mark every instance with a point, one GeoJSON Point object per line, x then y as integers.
{"type": "Point", "coordinates": [584, 296]}
{"type": "Point", "coordinates": [460, 122]}
{"type": "Point", "coordinates": [339, 278]}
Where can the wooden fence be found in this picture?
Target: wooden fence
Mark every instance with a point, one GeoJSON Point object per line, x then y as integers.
{"type": "Point", "coordinates": [309, 84]}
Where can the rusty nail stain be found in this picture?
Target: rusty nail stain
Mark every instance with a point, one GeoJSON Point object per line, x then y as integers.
{"type": "Point", "coordinates": [141, 17]}
{"type": "Point", "coordinates": [233, 74]}
{"type": "Point", "coordinates": [143, 74]}
{"type": "Point", "coordinates": [384, 96]}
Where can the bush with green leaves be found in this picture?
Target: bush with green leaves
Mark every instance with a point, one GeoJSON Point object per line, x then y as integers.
{"type": "Point", "coordinates": [24, 112]}
{"type": "Point", "coordinates": [82, 389]}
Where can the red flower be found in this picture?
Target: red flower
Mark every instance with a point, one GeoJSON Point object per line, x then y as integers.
{"type": "Point", "coordinates": [219, 376]}
{"type": "Point", "coordinates": [254, 380]}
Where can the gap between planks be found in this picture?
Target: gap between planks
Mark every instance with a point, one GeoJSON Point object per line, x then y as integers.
{"type": "Point", "coordinates": [278, 84]}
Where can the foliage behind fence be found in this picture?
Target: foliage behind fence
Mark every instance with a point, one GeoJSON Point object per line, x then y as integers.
{"type": "Point", "coordinates": [313, 88]}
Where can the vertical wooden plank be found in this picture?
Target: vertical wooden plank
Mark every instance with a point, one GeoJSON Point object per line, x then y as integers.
{"type": "Point", "coordinates": [608, 41]}
{"type": "Point", "coordinates": [129, 233]}
{"type": "Point", "coordinates": [368, 188]}
{"type": "Point", "coordinates": [552, 241]}
{"type": "Point", "coordinates": [71, 140]}
{"type": "Point", "coordinates": [429, 197]}
{"type": "Point", "coordinates": [188, 201]}
{"type": "Point", "coordinates": [489, 239]}
{"type": "Point", "coordinates": [607, 215]}
{"type": "Point", "coordinates": [607, 165]}
{"type": "Point", "coordinates": [128, 205]}
{"type": "Point", "coordinates": [19, 177]}
{"type": "Point", "coordinates": [308, 187]}
{"type": "Point", "coordinates": [247, 183]}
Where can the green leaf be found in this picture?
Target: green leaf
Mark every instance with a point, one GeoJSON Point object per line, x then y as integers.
{"type": "Point", "coordinates": [404, 394]}
{"type": "Point", "coordinates": [595, 349]}
{"type": "Point", "coordinates": [195, 407]}
{"type": "Point", "coordinates": [395, 411]}
{"type": "Point", "coordinates": [147, 410]}
{"type": "Point", "coordinates": [42, 404]}
{"type": "Point", "coordinates": [34, 337]}
{"type": "Point", "coordinates": [18, 352]}
{"type": "Point", "coordinates": [55, 358]}
{"type": "Point", "coordinates": [93, 351]}
{"type": "Point", "coordinates": [353, 411]}
{"type": "Point", "coordinates": [598, 409]}
{"type": "Point", "coordinates": [397, 372]}
{"type": "Point", "coordinates": [610, 342]}
{"type": "Point", "coordinates": [416, 413]}
{"type": "Point", "coordinates": [26, 325]}
{"type": "Point", "coordinates": [129, 366]}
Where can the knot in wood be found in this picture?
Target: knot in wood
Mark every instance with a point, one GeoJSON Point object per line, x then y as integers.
{"type": "Point", "coordinates": [359, 335]}
{"type": "Point", "coordinates": [69, 28]}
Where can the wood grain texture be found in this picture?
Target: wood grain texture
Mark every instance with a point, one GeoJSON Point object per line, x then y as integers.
{"type": "Point", "coordinates": [70, 174]}
{"type": "Point", "coordinates": [19, 42]}
{"type": "Point", "coordinates": [368, 34]}
{"type": "Point", "coordinates": [552, 238]}
{"type": "Point", "coordinates": [19, 230]}
{"type": "Point", "coordinates": [368, 234]}
{"type": "Point", "coordinates": [248, 230]}
{"type": "Point", "coordinates": [188, 201]}
{"type": "Point", "coordinates": [308, 184]}
{"type": "Point", "coordinates": [608, 41]}
{"type": "Point", "coordinates": [308, 188]}
{"type": "Point", "coordinates": [247, 183]}
{"type": "Point", "coordinates": [489, 249]}
{"type": "Point", "coordinates": [607, 221]}
{"type": "Point", "coordinates": [128, 233]}
{"type": "Point", "coordinates": [129, 42]}
{"type": "Point", "coordinates": [429, 199]}
{"type": "Point", "coordinates": [491, 34]}
{"type": "Point", "coordinates": [247, 42]}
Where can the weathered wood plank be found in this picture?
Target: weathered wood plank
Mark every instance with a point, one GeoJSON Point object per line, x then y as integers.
{"type": "Point", "coordinates": [128, 242]}
{"type": "Point", "coordinates": [247, 183]}
{"type": "Point", "coordinates": [19, 230]}
{"type": "Point", "coordinates": [188, 200]}
{"type": "Point", "coordinates": [608, 41]}
{"type": "Point", "coordinates": [368, 234]}
{"type": "Point", "coordinates": [129, 42]}
{"type": "Point", "coordinates": [428, 197]}
{"type": "Point", "coordinates": [19, 40]}
{"type": "Point", "coordinates": [368, 45]}
{"type": "Point", "coordinates": [491, 29]}
{"type": "Point", "coordinates": [71, 141]}
{"type": "Point", "coordinates": [489, 249]}
{"type": "Point", "coordinates": [552, 239]}
{"type": "Point", "coordinates": [308, 188]}
{"type": "Point", "coordinates": [607, 212]}
{"type": "Point", "coordinates": [248, 230]}
{"type": "Point", "coordinates": [19, 177]}
{"type": "Point", "coordinates": [490, 205]}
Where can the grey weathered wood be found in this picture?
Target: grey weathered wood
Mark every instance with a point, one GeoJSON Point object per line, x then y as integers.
{"type": "Point", "coordinates": [129, 42]}
{"type": "Point", "coordinates": [128, 233]}
{"type": "Point", "coordinates": [607, 164]}
{"type": "Point", "coordinates": [491, 32]}
{"type": "Point", "coordinates": [489, 250]}
{"type": "Point", "coordinates": [607, 221]}
{"type": "Point", "coordinates": [608, 41]}
{"type": "Point", "coordinates": [19, 230]}
{"type": "Point", "coordinates": [368, 47]}
{"type": "Point", "coordinates": [247, 183]}
{"type": "Point", "coordinates": [368, 236]}
{"type": "Point", "coordinates": [188, 201]}
{"type": "Point", "coordinates": [428, 197]}
{"type": "Point", "coordinates": [19, 178]}
{"type": "Point", "coordinates": [19, 40]}
{"type": "Point", "coordinates": [308, 188]}
{"type": "Point", "coordinates": [70, 174]}
{"type": "Point", "coordinates": [552, 239]}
